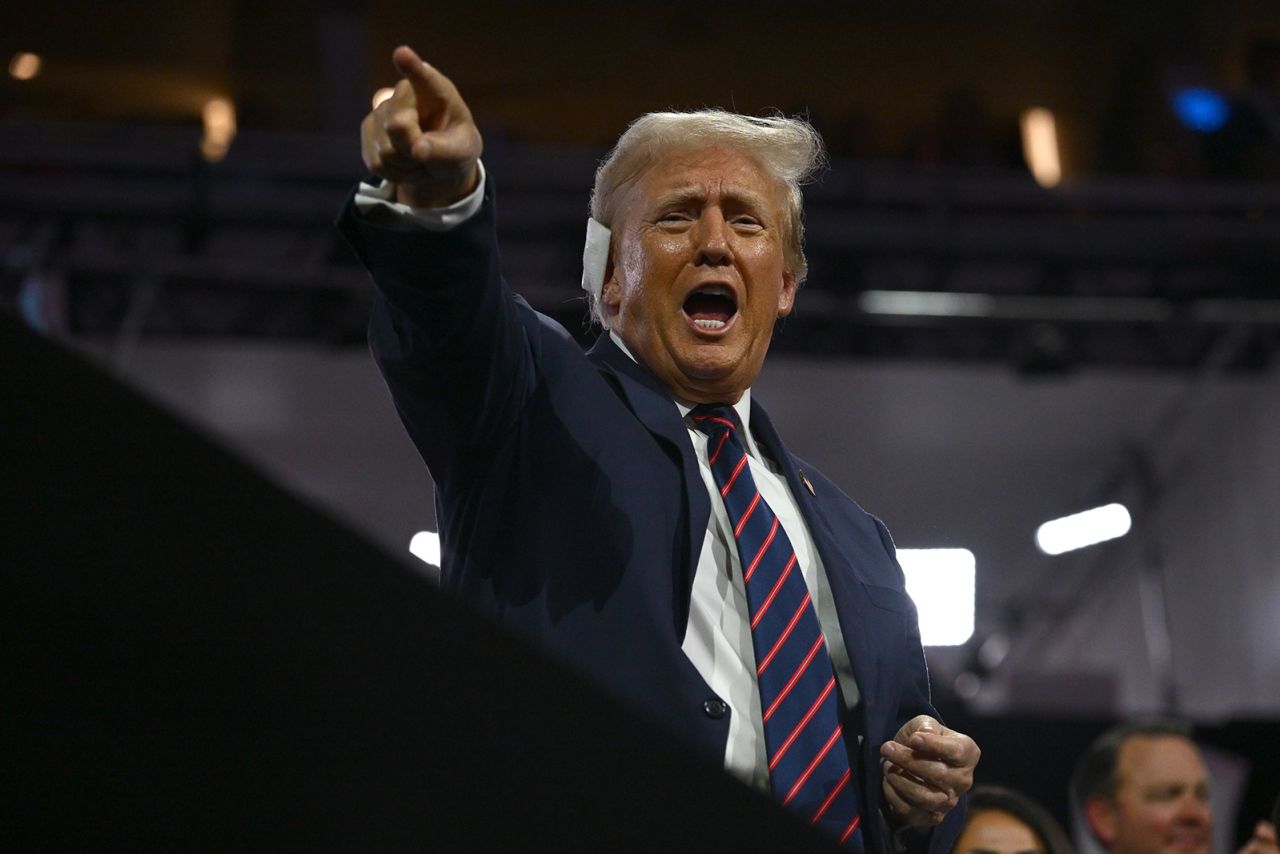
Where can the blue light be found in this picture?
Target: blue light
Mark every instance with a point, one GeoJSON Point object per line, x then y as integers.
{"type": "Point", "coordinates": [1200, 108]}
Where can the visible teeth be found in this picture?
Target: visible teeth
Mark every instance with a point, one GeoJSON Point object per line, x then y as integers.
{"type": "Point", "coordinates": [709, 324]}
{"type": "Point", "coordinates": [716, 290]}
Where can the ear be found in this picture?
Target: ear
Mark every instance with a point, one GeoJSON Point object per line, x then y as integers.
{"type": "Point", "coordinates": [1100, 813]}
{"type": "Point", "coordinates": [611, 292]}
{"type": "Point", "coordinates": [787, 296]}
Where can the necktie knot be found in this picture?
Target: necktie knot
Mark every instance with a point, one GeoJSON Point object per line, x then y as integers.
{"type": "Point", "coordinates": [714, 418]}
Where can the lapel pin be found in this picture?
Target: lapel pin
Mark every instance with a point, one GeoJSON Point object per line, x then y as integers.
{"type": "Point", "coordinates": [807, 485]}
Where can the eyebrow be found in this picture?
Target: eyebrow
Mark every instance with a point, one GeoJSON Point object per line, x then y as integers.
{"type": "Point", "coordinates": [696, 193]}
{"type": "Point", "coordinates": [1198, 786]}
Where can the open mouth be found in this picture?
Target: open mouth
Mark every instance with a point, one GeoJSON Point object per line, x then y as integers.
{"type": "Point", "coordinates": [711, 308]}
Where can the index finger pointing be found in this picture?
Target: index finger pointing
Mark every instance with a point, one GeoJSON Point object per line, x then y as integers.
{"type": "Point", "coordinates": [424, 78]}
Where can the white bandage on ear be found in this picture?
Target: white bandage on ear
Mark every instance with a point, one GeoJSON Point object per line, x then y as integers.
{"type": "Point", "coordinates": [595, 257]}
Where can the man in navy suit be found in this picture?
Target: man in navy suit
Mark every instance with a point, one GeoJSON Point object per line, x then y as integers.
{"type": "Point", "coordinates": [577, 494]}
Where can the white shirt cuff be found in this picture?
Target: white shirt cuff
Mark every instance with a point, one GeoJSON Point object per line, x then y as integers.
{"type": "Point", "coordinates": [370, 197]}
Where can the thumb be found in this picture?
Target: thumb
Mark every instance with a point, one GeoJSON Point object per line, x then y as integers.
{"type": "Point", "coordinates": [451, 143]}
{"type": "Point", "coordinates": [922, 723]}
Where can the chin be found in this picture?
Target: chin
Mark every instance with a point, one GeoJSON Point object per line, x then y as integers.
{"type": "Point", "coordinates": [721, 357]}
{"type": "Point", "coordinates": [712, 372]}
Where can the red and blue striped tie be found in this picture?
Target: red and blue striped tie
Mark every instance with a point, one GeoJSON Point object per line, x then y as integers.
{"type": "Point", "coordinates": [808, 763]}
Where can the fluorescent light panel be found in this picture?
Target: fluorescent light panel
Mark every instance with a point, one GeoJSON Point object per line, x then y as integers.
{"type": "Point", "coordinates": [1083, 529]}
{"type": "Point", "coordinates": [940, 582]}
{"type": "Point", "coordinates": [926, 304]}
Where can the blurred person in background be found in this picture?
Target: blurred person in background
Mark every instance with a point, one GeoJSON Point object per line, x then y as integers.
{"type": "Point", "coordinates": [1143, 788]}
{"type": "Point", "coordinates": [1003, 821]}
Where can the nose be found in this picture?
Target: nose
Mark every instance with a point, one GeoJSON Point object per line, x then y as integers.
{"type": "Point", "coordinates": [714, 249]}
{"type": "Point", "coordinates": [1195, 811]}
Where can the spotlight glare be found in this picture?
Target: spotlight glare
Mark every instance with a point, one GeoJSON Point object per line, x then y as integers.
{"type": "Point", "coordinates": [219, 116]}
{"type": "Point", "coordinates": [993, 651]}
{"type": "Point", "coordinates": [24, 66]}
{"type": "Point", "coordinates": [967, 685]}
{"type": "Point", "coordinates": [940, 582]}
{"type": "Point", "coordinates": [425, 546]}
{"type": "Point", "coordinates": [1201, 108]}
{"type": "Point", "coordinates": [381, 95]}
{"type": "Point", "coordinates": [1040, 146]}
{"type": "Point", "coordinates": [1083, 529]}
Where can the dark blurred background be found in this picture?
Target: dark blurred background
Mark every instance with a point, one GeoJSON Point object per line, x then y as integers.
{"type": "Point", "coordinates": [915, 82]}
{"type": "Point", "coordinates": [1045, 276]}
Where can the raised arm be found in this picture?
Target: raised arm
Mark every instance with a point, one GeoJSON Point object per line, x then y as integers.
{"type": "Point", "coordinates": [449, 337]}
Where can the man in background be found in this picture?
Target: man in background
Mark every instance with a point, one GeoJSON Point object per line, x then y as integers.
{"type": "Point", "coordinates": [1143, 788]}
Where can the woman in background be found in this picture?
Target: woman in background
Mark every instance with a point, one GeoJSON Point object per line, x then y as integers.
{"type": "Point", "coordinates": [1002, 821]}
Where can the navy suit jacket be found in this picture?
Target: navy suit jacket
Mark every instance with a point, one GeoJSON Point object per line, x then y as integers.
{"type": "Point", "coordinates": [569, 502]}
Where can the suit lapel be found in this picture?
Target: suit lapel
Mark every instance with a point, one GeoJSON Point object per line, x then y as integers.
{"type": "Point", "coordinates": [842, 574]}
{"type": "Point", "coordinates": [653, 407]}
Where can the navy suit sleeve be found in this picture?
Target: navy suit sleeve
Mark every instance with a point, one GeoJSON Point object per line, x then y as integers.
{"type": "Point", "coordinates": [447, 333]}
{"type": "Point", "coordinates": [915, 700]}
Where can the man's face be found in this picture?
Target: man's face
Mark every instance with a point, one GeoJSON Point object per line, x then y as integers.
{"type": "Point", "coordinates": [698, 274]}
{"type": "Point", "coordinates": [1162, 802]}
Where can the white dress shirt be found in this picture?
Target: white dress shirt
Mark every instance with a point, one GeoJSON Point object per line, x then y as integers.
{"type": "Point", "coordinates": [382, 196]}
{"type": "Point", "coordinates": [718, 636]}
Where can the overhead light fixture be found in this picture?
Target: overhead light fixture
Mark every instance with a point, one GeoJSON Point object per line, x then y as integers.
{"type": "Point", "coordinates": [1201, 108]}
{"type": "Point", "coordinates": [941, 583]}
{"type": "Point", "coordinates": [425, 546]}
{"type": "Point", "coordinates": [1040, 146]}
{"type": "Point", "coordinates": [219, 116]}
{"type": "Point", "coordinates": [381, 95]}
{"type": "Point", "coordinates": [926, 304]}
{"type": "Point", "coordinates": [1083, 529]}
{"type": "Point", "coordinates": [24, 66]}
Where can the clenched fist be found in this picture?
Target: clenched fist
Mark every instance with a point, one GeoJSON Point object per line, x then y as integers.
{"type": "Point", "coordinates": [422, 139]}
{"type": "Point", "coordinates": [927, 767]}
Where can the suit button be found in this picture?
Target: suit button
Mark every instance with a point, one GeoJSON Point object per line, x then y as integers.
{"type": "Point", "coordinates": [714, 707]}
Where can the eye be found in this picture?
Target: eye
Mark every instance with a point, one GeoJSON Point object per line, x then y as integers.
{"type": "Point", "coordinates": [675, 216]}
{"type": "Point", "coordinates": [747, 221]}
{"type": "Point", "coordinates": [1165, 793]}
